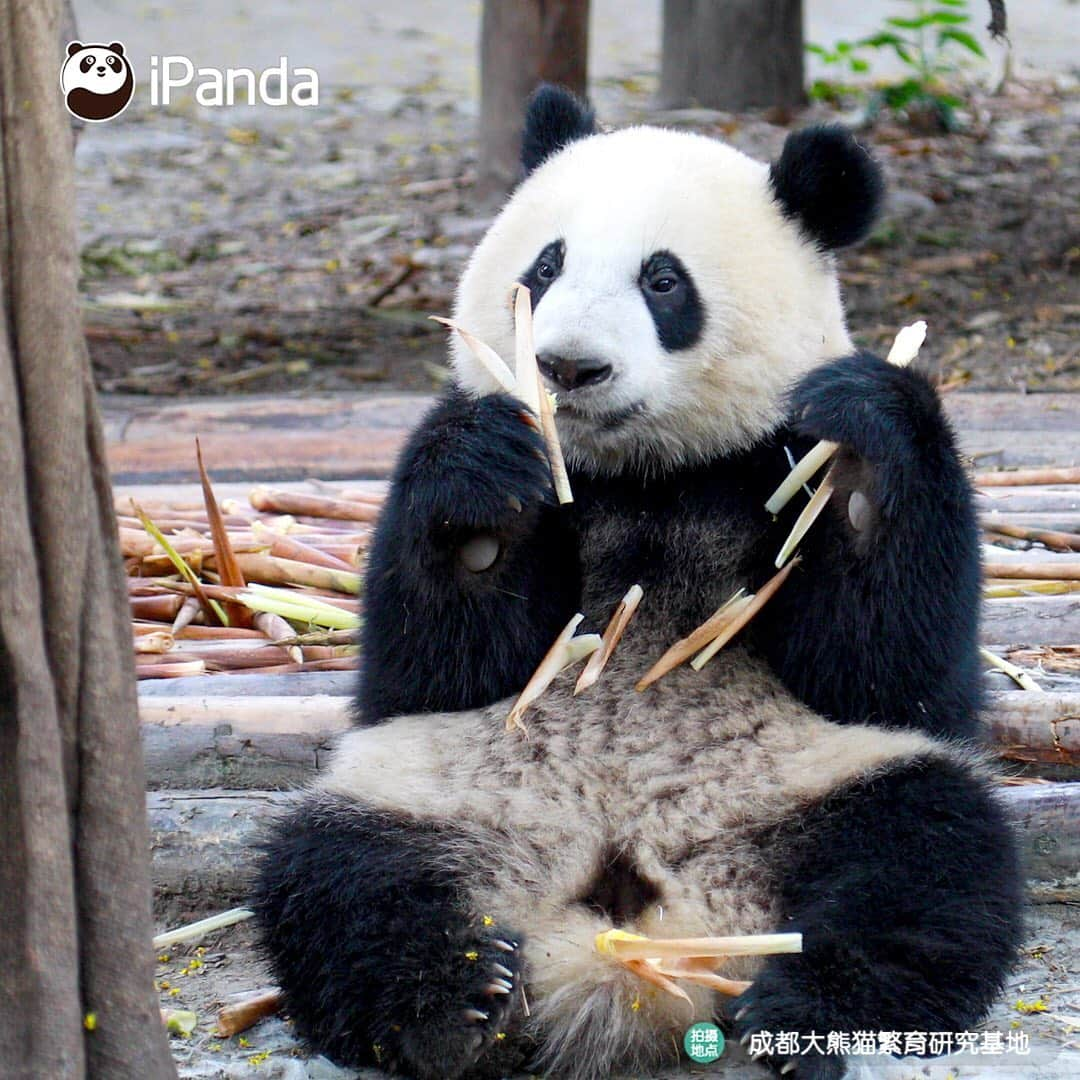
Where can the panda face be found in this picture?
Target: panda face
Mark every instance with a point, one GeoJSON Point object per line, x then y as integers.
{"type": "Point", "coordinates": [95, 68]}
{"type": "Point", "coordinates": [674, 300]}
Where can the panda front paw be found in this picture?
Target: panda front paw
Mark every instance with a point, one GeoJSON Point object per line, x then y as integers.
{"type": "Point", "coordinates": [466, 1010]}
{"type": "Point", "coordinates": [768, 1010]}
{"type": "Point", "coordinates": [869, 405]}
{"type": "Point", "coordinates": [474, 476]}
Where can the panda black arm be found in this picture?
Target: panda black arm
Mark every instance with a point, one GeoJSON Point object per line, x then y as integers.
{"type": "Point", "coordinates": [473, 483]}
{"type": "Point", "coordinates": [880, 622]}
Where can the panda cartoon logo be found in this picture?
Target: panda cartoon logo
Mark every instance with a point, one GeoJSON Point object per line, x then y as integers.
{"type": "Point", "coordinates": [97, 81]}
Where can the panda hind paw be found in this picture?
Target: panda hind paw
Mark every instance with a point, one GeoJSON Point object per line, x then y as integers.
{"type": "Point", "coordinates": [470, 1032]}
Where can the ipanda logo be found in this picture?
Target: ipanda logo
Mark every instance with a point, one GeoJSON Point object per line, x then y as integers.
{"type": "Point", "coordinates": [98, 82]}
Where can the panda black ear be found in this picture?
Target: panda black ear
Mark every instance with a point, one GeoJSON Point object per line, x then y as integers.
{"type": "Point", "coordinates": [828, 183]}
{"type": "Point", "coordinates": [117, 47]}
{"type": "Point", "coordinates": [74, 47]}
{"type": "Point", "coordinates": [554, 118]}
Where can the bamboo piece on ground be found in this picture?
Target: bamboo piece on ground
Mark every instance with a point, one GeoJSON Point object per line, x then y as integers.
{"type": "Point", "coordinates": [170, 671]}
{"type": "Point", "coordinates": [201, 927]}
{"type": "Point", "coordinates": [810, 513]}
{"type": "Point", "coordinates": [188, 611]}
{"type": "Point", "coordinates": [288, 547]}
{"type": "Point", "coordinates": [232, 1019]}
{"type": "Point", "coordinates": [200, 633]}
{"type": "Point", "coordinates": [340, 663]}
{"type": "Point", "coordinates": [1057, 570]}
{"type": "Point", "coordinates": [745, 613]}
{"type": "Point", "coordinates": [162, 609]}
{"type": "Point", "coordinates": [1018, 675]}
{"type": "Point", "coordinates": [317, 506]}
{"type": "Point", "coordinates": [565, 650]}
{"type": "Point", "coordinates": [274, 626]}
{"type": "Point", "coordinates": [160, 641]}
{"type": "Point", "coordinates": [271, 570]}
{"type": "Point", "coordinates": [224, 556]}
{"type": "Point", "coordinates": [609, 639]}
{"type": "Point", "coordinates": [905, 348]}
{"type": "Point", "coordinates": [1027, 477]}
{"type": "Point", "coordinates": [683, 649]}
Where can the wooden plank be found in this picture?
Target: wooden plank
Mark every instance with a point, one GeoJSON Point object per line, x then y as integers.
{"type": "Point", "coordinates": [203, 842]}
{"type": "Point", "coordinates": [263, 438]}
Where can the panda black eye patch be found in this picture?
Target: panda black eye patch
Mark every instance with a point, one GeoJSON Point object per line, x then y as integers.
{"type": "Point", "coordinates": [546, 267]}
{"type": "Point", "coordinates": [672, 300]}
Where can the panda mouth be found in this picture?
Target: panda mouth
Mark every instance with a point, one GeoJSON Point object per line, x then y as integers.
{"type": "Point", "coordinates": [604, 421]}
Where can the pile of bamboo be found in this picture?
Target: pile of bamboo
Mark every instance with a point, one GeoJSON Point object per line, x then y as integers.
{"type": "Point", "coordinates": [268, 588]}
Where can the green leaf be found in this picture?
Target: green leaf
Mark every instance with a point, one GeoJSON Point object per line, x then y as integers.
{"type": "Point", "coordinates": [909, 24]}
{"type": "Point", "coordinates": [860, 66]}
{"type": "Point", "coordinates": [817, 50]}
{"type": "Point", "coordinates": [961, 37]}
{"type": "Point", "coordinates": [953, 3]}
{"type": "Point", "coordinates": [843, 47]}
{"type": "Point", "coordinates": [947, 18]}
{"type": "Point", "coordinates": [877, 41]}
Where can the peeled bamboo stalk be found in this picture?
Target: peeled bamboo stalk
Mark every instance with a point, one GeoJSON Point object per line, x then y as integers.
{"type": "Point", "coordinates": [488, 358]}
{"type": "Point", "coordinates": [160, 641]}
{"type": "Point", "coordinates": [565, 650]}
{"type": "Point", "coordinates": [316, 506]}
{"type": "Point", "coordinates": [810, 513]}
{"type": "Point", "coordinates": [232, 1019]}
{"type": "Point", "coordinates": [683, 649]}
{"type": "Point", "coordinates": [201, 928]}
{"type": "Point", "coordinates": [188, 612]}
{"type": "Point", "coordinates": [200, 633]}
{"type": "Point", "coordinates": [905, 348]}
{"type": "Point", "coordinates": [1027, 477]}
{"type": "Point", "coordinates": [525, 370]}
{"type": "Point", "coordinates": [746, 611]}
{"type": "Point", "coordinates": [610, 638]}
{"type": "Point", "coordinates": [625, 946]}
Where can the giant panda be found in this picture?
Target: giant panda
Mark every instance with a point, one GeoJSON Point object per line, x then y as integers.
{"type": "Point", "coordinates": [431, 905]}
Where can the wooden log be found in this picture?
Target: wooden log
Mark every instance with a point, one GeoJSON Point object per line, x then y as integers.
{"type": "Point", "coordinates": [1035, 728]}
{"type": "Point", "coordinates": [1044, 569]}
{"type": "Point", "coordinates": [202, 842]}
{"type": "Point", "coordinates": [1027, 477]}
{"type": "Point", "coordinates": [1043, 620]}
{"type": "Point", "coordinates": [1028, 500]}
{"type": "Point", "coordinates": [238, 741]}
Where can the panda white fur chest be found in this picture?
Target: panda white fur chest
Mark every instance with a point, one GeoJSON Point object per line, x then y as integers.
{"type": "Point", "coordinates": [431, 906]}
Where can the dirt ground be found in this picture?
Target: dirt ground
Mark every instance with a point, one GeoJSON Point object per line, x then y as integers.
{"type": "Point", "coordinates": [1042, 1000]}
{"type": "Point", "coordinates": [261, 249]}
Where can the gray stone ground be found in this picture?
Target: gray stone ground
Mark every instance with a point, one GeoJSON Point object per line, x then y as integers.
{"type": "Point", "coordinates": [1048, 974]}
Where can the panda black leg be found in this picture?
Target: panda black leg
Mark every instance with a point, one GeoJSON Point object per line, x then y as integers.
{"type": "Point", "coordinates": [907, 892]}
{"type": "Point", "coordinates": [366, 922]}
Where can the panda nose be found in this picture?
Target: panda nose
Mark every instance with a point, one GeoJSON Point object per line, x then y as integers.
{"type": "Point", "coordinates": [101, 71]}
{"type": "Point", "coordinates": [571, 374]}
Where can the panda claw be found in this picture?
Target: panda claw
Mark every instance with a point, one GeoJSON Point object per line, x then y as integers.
{"type": "Point", "coordinates": [791, 1066]}
{"type": "Point", "coordinates": [497, 988]}
{"type": "Point", "coordinates": [741, 1013]}
{"type": "Point", "coordinates": [506, 946]}
{"type": "Point", "coordinates": [505, 972]}
{"type": "Point", "coordinates": [476, 1015]}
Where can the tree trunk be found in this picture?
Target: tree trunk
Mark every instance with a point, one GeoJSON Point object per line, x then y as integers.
{"type": "Point", "coordinates": [522, 44]}
{"type": "Point", "coordinates": [74, 883]}
{"type": "Point", "coordinates": [732, 54]}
